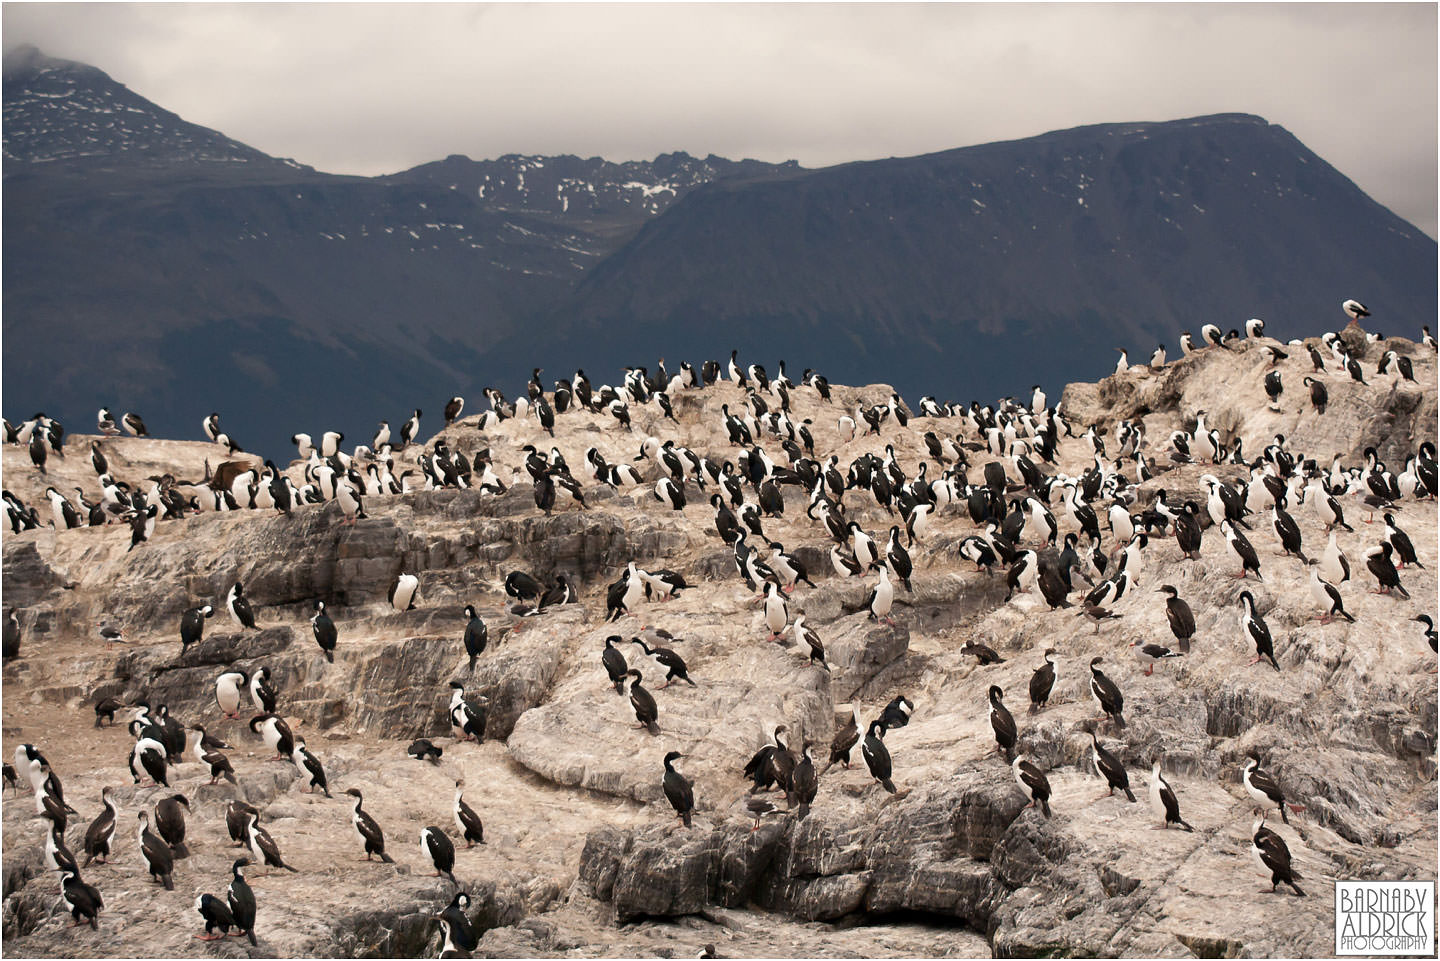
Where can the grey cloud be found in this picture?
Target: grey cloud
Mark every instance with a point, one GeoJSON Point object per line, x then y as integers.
{"type": "Point", "coordinates": [375, 88]}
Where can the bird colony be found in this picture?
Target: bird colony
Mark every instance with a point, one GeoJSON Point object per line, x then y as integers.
{"type": "Point", "coordinates": [241, 700]}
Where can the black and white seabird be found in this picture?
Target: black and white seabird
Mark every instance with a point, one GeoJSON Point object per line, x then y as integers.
{"type": "Point", "coordinates": [192, 625]}
{"type": "Point", "coordinates": [1273, 857]}
{"type": "Point", "coordinates": [311, 771]}
{"type": "Point", "coordinates": [1110, 768]}
{"type": "Point", "coordinates": [672, 662]}
{"type": "Point", "coordinates": [1378, 562]}
{"type": "Point", "coordinates": [206, 751]}
{"type": "Point", "coordinates": [1106, 694]}
{"type": "Point", "coordinates": [1149, 653]}
{"type": "Point", "coordinates": [403, 592]}
{"type": "Point", "coordinates": [1264, 789]}
{"type": "Point", "coordinates": [877, 756]}
{"type": "Point", "coordinates": [324, 630]}
{"type": "Point", "coordinates": [241, 900]}
{"type": "Point", "coordinates": [679, 790]}
{"type": "Point", "coordinates": [467, 721]}
{"type": "Point", "coordinates": [439, 850]}
{"type": "Point", "coordinates": [423, 749]}
{"type": "Point", "coordinates": [368, 829]}
{"type": "Point", "coordinates": [471, 829]}
{"type": "Point", "coordinates": [262, 692]}
{"type": "Point", "coordinates": [1254, 626]}
{"type": "Point", "coordinates": [804, 782]}
{"type": "Point", "coordinates": [227, 692]}
{"type": "Point", "coordinates": [276, 734]}
{"type": "Point", "coordinates": [1032, 781]}
{"type": "Point", "coordinates": [881, 598]}
{"type": "Point", "coordinates": [216, 914]}
{"type": "Point", "coordinates": [239, 607]}
{"type": "Point", "coordinates": [812, 640]}
{"type": "Point", "coordinates": [1327, 596]}
{"type": "Point", "coordinates": [1400, 543]}
{"type": "Point", "coordinates": [1163, 801]}
{"type": "Point", "coordinates": [84, 899]}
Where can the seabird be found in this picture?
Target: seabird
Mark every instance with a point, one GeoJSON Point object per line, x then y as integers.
{"type": "Point", "coordinates": [1002, 723]}
{"type": "Point", "coordinates": [241, 900]}
{"type": "Point", "coordinates": [1270, 852]}
{"type": "Point", "coordinates": [1378, 563]}
{"type": "Point", "coordinates": [877, 756]}
{"type": "Point", "coordinates": [679, 790]}
{"type": "Point", "coordinates": [466, 820]}
{"type": "Point", "coordinates": [1032, 781]}
{"type": "Point", "coordinates": [1106, 694]}
{"type": "Point", "coordinates": [368, 829]}
{"type": "Point", "coordinates": [1162, 799]}
{"type": "Point", "coordinates": [1042, 682]}
{"type": "Point", "coordinates": [804, 782]}
{"type": "Point", "coordinates": [1148, 654]}
{"type": "Point", "coordinates": [644, 704]}
{"type": "Point", "coordinates": [1110, 768]}
{"type": "Point", "coordinates": [1327, 596]}
{"type": "Point", "coordinates": [324, 630]}
{"type": "Point", "coordinates": [436, 845]}
{"type": "Point", "coordinates": [158, 859]}
{"type": "Point", "coordinates": [102, 830]}
{"type": "Point", "coordinates": [847, 736]}
{"type": "Point", "coordinates": [1264, 789]}
{"type": "Point", "coordinates": [1252, 624]}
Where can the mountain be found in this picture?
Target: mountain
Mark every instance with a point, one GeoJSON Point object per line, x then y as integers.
{"type": "Point", "coordinates": [184, 272]}
{"type": "Point", "coordinates": [156, 265]}
{"type": "Point", "coordinates": [978, 271]}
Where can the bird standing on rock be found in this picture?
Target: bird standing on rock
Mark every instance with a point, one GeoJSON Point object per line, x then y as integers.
{"type": "Point", "coordinates": [679, 790]}
{"type": "Point", "coordinates": [368, 829]}
{"type": "Point", "coordinates": [644, 704]}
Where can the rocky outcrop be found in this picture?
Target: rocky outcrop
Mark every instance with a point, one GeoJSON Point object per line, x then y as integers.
{"type": "Point", "coordinates": [582, 852]}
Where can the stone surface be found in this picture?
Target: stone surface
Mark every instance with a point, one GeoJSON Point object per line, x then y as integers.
{"type": "Point", "coordinates": [583, 854]}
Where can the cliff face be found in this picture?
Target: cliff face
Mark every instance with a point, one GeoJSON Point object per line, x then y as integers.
{"type": "Point", "coordinates": [583, 854]}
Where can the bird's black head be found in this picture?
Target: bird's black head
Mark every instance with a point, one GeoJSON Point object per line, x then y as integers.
{"type": "Point", "coordinates": [1095, 660]}
{"type": "Point", "coordinates": [672, 757]}
{"type": "Point", "coordinates": [995, 693]}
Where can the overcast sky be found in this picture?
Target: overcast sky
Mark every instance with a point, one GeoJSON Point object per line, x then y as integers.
{"type": "Point", "coordinates": [376, 88]}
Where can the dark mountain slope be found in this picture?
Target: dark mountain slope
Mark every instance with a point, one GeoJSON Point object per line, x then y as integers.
{"type": "Point", "coordinates": [184, 272]}
{"type": "Point", "coordinates": [155, 265]}
{"type": "Point", "coordinates": [1068, 244]}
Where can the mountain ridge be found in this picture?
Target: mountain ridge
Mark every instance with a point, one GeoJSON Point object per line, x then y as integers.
{"type": "Point", "coordinates": [170, 278]}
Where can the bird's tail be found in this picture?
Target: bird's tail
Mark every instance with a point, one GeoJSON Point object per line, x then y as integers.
{"type": "Point", "coordinates": [1296, 886]}
{"type": "Point", "coordinates": [1185, 826]}
{"type": "Point", "coordinates": [690, 682]}
{"type": "Point", "coordinates": [230, 776]}
{"type": "Point", "coordinates": [1045, 806]}
{"type": "Point", "coordinates": [290, 869]}
{"type": "Point", "coordinates": [804, 810]}
{"type": "Point", "coordinates": [386, 858]}
{"type": "Point", "coordinates": [179, 850]}
{"type": "Point", "coordinates": [888, 785]}
{"type": "Point", "coordinates": [686, 818]}
{"type": "Point", "coordinates": [1120, 718]}
{"type": "Point", "coordinates": [253, 942]}
{"type": "Point", "coordinates": [1274, 663]}
{"type": "Point", "coordinates": [1347, 617]}
{"type": "Point", "coordinates": [620, 688]}
{"type": "Point", "coordinates": [1403, 593]}
{"type": "Point", "coordinates": [169, 882]}
{"type": "Point", "coordinates": [652, 727]}
{"type": "Point", "coordinates": [472, 661]}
